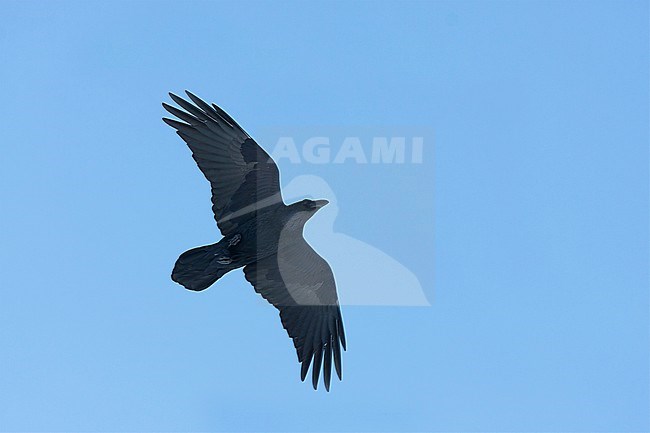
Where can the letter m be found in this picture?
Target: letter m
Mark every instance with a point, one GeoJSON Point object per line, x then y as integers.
{"type": "Point", "coordinates": [388, 152]}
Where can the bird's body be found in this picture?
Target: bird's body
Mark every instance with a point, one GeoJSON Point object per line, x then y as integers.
{"type": "Point", "coordinates": [255, 239]}
{"type": "Point", "coordinates": [261, 234]}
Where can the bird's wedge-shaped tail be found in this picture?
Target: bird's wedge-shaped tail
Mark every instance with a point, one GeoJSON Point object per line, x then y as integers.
{"type": "Point", "coordinates": [199, 268]}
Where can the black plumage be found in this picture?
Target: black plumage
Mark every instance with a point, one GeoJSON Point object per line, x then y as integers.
{"type": "Point", "coordinates": [261, 234]}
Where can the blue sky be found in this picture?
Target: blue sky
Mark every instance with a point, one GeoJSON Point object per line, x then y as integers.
{"type": "Point", "coordinates": [526, 224]}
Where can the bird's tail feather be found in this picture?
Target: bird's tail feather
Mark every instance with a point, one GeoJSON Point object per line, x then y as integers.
{"type": "Point", "coordinates": [198, 268]}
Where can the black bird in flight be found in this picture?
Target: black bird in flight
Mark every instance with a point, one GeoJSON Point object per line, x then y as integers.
{"type": "Point", "coordinates": [261, 234]}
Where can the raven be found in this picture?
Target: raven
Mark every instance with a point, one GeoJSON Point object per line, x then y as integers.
{"type": "Point", "coordinates": [261, 234]}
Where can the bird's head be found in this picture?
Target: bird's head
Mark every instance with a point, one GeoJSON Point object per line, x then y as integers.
{"type": "Point", "coordinates": [308, 207]}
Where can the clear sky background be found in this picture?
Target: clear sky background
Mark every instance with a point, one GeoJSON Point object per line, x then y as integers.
{"type": "Point", "coordinates": [526, 224]}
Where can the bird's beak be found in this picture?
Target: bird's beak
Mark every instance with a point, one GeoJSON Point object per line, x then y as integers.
{"type": "Point", "coordinates": [321, 203]}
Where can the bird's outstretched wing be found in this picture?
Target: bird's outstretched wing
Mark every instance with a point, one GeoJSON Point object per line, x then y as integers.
{"type": "Point", "coordinates": [243, 176]}
{"type": "Point", "coordinates": [300, 283]}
